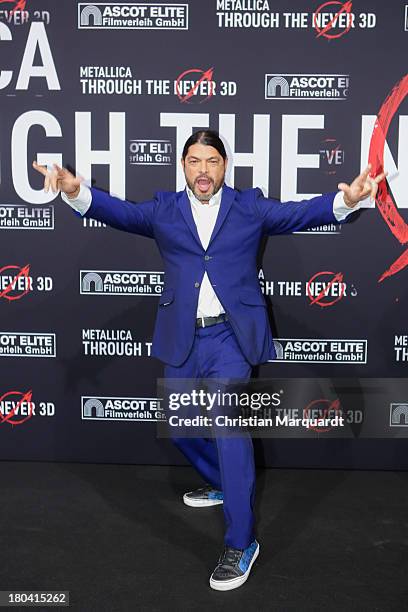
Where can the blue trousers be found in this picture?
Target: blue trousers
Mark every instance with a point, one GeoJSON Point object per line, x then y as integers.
{"type": "Point", "coordinates": [227, 463]}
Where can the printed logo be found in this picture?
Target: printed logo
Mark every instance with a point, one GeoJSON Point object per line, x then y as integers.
{"type": "Point", "coordinates": [305, 350]}
{"type": "Point", "coordinates": [331, 156]}
{"type": "Point", "coordinates": [306, 86]}
{"type": "Point", "coordinates": [328, 292]}
{"type": "Point", "coordinates": [21, 217]}
{"type": "Point", "coordinates": [331, 20]}
{"type": "Point", "coordinates": [115, 282]}
{"type": "Point", "coordinates": [150, 153]}
{"type": "Point", "coordinates": [113, 342]}
{"type": "Point", "coordinates": [16, 408]}
{"type": "Point", "coordinates": [324, 288]}
{"type": "Point", "coordinates": [108, 80]}
{"type": "Point", "coordinates": [333, 26]}
{"type": "Point", "coordinates": [16, 13]}
{"type": "Point", "coordinates": [132, 16]}
{"type": "Point", "coordinates": [330, 228]}
{"type": "Point", "coordinates": [401, 348]}
{"type": "Point", "coordinates": [90, 14]}
{"type": "Point", "coordinates": [195, 82]}
{"type": "Point", "coordinates": [16, 282]}
{"type": "Point", "coordinates": [27, 344]}
{"type": "Point", "coordinates": [399, 415]}
{"type": "Point", "coordinates": [121, 409]}
{"type": "Point", "coordinates": [246, 14]}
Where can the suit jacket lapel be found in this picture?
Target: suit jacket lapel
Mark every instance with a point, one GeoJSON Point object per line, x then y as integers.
{"type": "Point", "coordinates": [227, 198]}
{"type": "Point", "coordinates": [185, 207]}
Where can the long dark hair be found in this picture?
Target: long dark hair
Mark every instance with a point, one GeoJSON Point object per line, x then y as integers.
{"type": "Point", "coordinates": [206, 137]}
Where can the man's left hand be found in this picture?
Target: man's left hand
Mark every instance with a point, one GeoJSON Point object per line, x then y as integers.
{"type": "Point", "coordinates": [362, 187]}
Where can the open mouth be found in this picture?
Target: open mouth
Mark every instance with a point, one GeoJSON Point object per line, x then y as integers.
{"type": "Point", "coordinates": [204, 184]}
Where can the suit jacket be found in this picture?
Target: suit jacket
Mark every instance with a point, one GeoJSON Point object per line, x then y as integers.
{"type": "Point", "coordinates": [230, 260]}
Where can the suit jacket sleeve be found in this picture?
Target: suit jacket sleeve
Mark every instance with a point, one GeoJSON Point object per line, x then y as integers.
{"type": "Point", "coordinates": [122, 214]}
{"type": "Point", "coordinates": [288, 217]}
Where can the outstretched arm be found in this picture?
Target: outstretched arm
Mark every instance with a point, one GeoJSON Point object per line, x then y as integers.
{"type": "Point", "coordinates": [94, 203]}
{"type": "Point", "coordinates": [285, 218]}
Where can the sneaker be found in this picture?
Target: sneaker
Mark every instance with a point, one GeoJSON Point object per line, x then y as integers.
{"type": "Point", "coordinates": [206, 496]}
{"type": "Point", "coordinates": [233, 567]}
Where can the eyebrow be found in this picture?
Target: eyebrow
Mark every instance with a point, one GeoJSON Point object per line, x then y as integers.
{"type": "Point", "coordinates": [199, 158]}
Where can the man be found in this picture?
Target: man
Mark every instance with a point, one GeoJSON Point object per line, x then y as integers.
{"type": "Point", "coordinates": [212, 319]}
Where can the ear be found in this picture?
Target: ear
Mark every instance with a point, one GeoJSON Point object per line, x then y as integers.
{"type": "Point", "coordinates": [182, 163]}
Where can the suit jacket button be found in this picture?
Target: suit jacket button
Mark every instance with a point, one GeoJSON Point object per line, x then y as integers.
{"type": "Point", "coordinates": [196, 284]}
{"type": "Point", "coordinates": [207, 257]}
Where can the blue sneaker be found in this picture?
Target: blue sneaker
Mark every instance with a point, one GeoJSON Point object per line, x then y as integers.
{"type": "Point", "coordinates": [233, 567]}
{"type": "Point", "coordinates": [206, 496]}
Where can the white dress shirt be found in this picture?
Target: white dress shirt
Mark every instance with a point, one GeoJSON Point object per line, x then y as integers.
{"type": "Point", "coordinates": [205, 216]}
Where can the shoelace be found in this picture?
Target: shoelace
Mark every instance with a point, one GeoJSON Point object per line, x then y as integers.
{"type": "Point", "coordinates": [230, 557]}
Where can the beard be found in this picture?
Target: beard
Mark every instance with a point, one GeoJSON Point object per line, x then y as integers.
{"type": "Point", "coordinates": [204, 197]}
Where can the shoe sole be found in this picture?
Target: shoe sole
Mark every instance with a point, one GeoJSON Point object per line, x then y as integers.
{"type": "Point", "coordinates": [200, 503]}
{"type": "Point", "coordinates": [218, 585]}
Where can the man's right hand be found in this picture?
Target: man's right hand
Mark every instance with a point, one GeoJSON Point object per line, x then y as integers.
{"type": "Point", "coordinates": [59, 179]}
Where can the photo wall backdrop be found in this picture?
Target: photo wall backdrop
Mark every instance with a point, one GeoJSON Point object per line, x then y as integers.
{"type": "Point", "coordinates": [113, 90]}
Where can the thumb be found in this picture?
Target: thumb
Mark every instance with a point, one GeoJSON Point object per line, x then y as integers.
{"type": "Point", "coordinates": [343, 186]}
{"type": "Point", "coordinates": [62, 172]}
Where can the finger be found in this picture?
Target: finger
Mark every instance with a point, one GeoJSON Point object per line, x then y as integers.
{"type": "Point", "coordinates": [380, 177]}
{"type": "Point", "coordinates": [53, 179]}
{"type": "Point", "coordinates": [369, 190]}
{"type": "Point", "coordinates": [60, 172]}
{"type": "Point", "coordinates": [42, 169]}
{"type": "Point", "coordinates": [343, 186]}
{"type": "Point", "coordinates": [47, 182]}
{"type": "Point", "coordinates": [361, 179]}
{"type": "Point", "coordinates": [373, 190]}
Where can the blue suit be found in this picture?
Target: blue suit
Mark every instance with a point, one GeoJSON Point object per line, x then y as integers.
{"type": "Point", "coordinates": [230, 260]}
{"type": "Point", "coordinates": [227, 350]}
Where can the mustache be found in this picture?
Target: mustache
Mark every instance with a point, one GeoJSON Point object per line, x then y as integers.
{"type": "Point", "coordinates": [208, 178]}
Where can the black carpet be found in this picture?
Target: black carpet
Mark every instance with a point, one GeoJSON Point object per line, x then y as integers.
{"type": "Point", "coordinates": [119, 538]}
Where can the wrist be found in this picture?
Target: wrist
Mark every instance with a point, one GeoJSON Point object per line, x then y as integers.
{"type": "Point", "coordinates": [347, 202]}
{"type": "Point", "coordinates": [71, 195]}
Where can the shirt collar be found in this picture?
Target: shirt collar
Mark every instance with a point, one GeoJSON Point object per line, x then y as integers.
{"type": "Point", "coordinates": [214, 200]}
